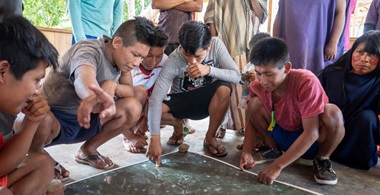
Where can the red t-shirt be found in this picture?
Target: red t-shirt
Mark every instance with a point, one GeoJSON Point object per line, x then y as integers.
{"type": "Point", "coordinates": [4, 179]}
{"type": "Point", "coordinates": [304, 97]}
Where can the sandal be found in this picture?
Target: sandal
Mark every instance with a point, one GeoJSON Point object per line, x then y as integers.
{"type": "Point", "coordinates": [216, 147]}
{"type": "Point", "coordinates": [178, 140]}
{"type": "Point", "coordinates": [60, 172]}
{"type": "Point", "coordinates": [90, 160]}
{"type": "Point", "coordinates": [240, 146]}
{"type": "Point", "coordinates": [241, 131]}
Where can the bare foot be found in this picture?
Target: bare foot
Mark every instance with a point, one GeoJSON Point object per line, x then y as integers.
{"type": "Point", "coordinates": [133, 149]}
{"type": "Point", "coordinates": [136, 140]}
{"type": "Point", "coordinates": [220, 133]}
{"type": "Point", "coordinates": [60, 172]}
{"type": "Point", "coordinates": [56, 188]}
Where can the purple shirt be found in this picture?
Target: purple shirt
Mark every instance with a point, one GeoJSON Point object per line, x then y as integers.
{"type": "Point", "coordinates": [373, 15]}
{"type": "Point", "coordinates": [306, 26]}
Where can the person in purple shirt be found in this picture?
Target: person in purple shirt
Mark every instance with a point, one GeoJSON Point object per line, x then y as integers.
{"type": "Point", "coordinates": [372, 21]}
{"type": "Point", "coordinates": [316, 40]}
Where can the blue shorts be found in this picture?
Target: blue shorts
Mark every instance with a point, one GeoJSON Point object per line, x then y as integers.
{"type": "Point", "coordinates": [71, 132]}
{"type": "Point", "coordinates": [285, 139]}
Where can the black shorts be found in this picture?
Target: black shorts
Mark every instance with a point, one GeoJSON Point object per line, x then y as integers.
{"type": "Point", "coordinates": [193, 104]}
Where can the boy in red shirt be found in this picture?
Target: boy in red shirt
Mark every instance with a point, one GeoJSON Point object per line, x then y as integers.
{"type": "Point", "coordinates": [290, 110]}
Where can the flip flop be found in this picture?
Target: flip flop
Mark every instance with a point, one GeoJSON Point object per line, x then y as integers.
{"type": "Point", "coordinates": [178, 140]}
{"type": "Point", "coordinates": [241, 131]}
{"type": "Point", "coordinates": [216, 147]}
{"type": "Point", "coordinates": [59, 169]}
{"type": "Point", "coordinates": [89, 160]}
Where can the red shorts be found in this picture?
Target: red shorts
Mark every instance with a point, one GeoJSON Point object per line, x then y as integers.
{"type": "Point", "coordinates": [4, 179]}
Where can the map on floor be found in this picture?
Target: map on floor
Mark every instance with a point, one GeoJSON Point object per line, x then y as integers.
{"type": "Point", "coordinates": [179, 173]}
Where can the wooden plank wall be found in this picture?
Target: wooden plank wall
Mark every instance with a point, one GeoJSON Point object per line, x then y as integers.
{"type": "Point", "coordinates": [61, 39]}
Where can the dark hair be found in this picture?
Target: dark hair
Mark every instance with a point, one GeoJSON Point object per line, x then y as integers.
{"type": "Point", "coordinates": [135, 30]}
{"type": "Point", "coordinates": [160, 38]}
{"type": "Point", "coordinates": [270, 51]}
{"type": "Point", "coordinates": [257, 37]}
{"type": "Point", "coordinates": [371, 39]}
{"type": "Point", "coordinates": [194, 35]}
{"type": "Point", "coordinates": [24, 46]}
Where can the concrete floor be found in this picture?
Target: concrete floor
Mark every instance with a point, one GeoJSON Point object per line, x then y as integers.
{"type": "Point", "coordinates": [351, 181]}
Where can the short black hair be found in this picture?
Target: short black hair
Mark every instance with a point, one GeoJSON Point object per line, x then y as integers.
{"type": "Point", "coordinates": [193, 36]}
{"type": "Point", "coordinates": [270, 51]}
{"type": "Point", "coordinates": [371, 39]}
{"type": "Point", "coordinates": [24, 46]}
{"type": "Point", "coordinates": [135, 30]}
{"type": "Point", "coordinates": [257, 37]}
{"type": "Point", "coordinates": [160, 38]}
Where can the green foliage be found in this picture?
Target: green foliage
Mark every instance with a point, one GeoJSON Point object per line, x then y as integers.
{"type": "Point", "coordinates": [50, 14]}
{"type": "Point", "coordinates": [138, 8]}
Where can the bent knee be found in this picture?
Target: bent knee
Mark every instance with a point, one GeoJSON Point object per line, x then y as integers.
{"type": "Point", "coordinates": [129, 106]}
{"type": "Point", "coordinates": [332, 115]}
{"type": "Point", "coordinates": [366, 115]}
{"type": "Point", "coordinates": [255, 104]}
{"type": "Point", "coordinates": [141, 93]}
{"type": "Point", "coordinates": [332, 112]}
{"type": "Point", "coordinates": [224, 90]}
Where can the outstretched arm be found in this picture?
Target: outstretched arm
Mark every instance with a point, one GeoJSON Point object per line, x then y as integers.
{"type": "Point", "coordinates": [246, 159]}
{"type": "Point", "coordinates": [100, 99]}
{"type": "Point", "coordinates": [94, 99]}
